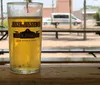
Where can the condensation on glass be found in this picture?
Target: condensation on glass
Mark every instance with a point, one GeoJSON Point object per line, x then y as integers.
{"type": "Point", "coordinates": [25, 25]}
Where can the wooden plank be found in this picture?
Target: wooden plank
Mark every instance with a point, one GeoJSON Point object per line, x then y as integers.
{"type": "Point", "coordinates": [54, 74]}
{"type": "Point", "coordinates": [3, 29]}
{"type": "Point", "coordinates": [64, 50]}
{"type": "Point", "coordinates": [61, 30]}
{"type": "Point", "coordinates": [72, 30]}
{"type": "Point", "coordinates": [61, 59]}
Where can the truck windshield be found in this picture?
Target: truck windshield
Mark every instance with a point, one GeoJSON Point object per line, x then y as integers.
{"type": "Point", "coordinates": [73, 17]}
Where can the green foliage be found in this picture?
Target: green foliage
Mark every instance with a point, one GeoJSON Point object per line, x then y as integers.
{"type": "Point", "coordinates": [5, 23]}
{"type": "Point", "coordinates": [28, 0]}
{"type": "Point", "coordinates": [91, 7]}
{"type": "Point", "coordinates": [97, 18]}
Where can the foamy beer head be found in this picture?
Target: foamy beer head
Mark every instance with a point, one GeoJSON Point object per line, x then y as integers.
{"type": "Point", "coordinates": [25, 25]}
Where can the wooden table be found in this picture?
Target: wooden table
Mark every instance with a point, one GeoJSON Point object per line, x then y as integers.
{"type": "Point", "coordinates": [88, 30]}
{"type": "Point", "coordinates": [89, 50]}
{"type": "Point", "coordinates": [97, 31]}
{"type": "Point", "coordinates": [54, 74]}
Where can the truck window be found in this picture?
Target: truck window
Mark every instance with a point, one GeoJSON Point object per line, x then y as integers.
{"type": "Point", "coordinates": [61, 16]}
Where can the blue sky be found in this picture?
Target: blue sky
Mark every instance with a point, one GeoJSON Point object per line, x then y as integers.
{"type": "Point", "coordinates": [77, 4]}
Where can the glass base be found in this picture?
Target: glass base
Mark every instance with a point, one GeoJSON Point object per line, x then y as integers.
{"type": "Point", "coordinates": [23, 71]}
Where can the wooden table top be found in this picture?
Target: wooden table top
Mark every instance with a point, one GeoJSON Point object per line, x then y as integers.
{"type": "Point", "coordinates": [60, 30]}
{"type": "Point", "coordinates": [54, 74]}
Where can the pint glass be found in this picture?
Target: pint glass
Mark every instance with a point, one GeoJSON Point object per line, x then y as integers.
{"type": "Point", "coordinates": [25, 25]}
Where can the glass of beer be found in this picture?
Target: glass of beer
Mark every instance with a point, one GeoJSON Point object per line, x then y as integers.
{"type": "Point", "coordinates": [25, 30]}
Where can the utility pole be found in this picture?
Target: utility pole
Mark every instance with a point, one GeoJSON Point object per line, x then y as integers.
{"type": "Point", "coordinates": [1, 12]}
{"type": "Point", "coordinates": [70, 9]}
{"type": "Point", "coordinates": [84, 19]}
{"type": "Point", "coordinates": [52, 6]}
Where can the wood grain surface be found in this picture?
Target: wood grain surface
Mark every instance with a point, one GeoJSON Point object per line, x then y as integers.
{"type": "Point", "coordinates": [54, 74]}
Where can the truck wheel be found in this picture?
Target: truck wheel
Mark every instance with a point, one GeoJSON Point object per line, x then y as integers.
{"type": "Point", "coordinates": [75, 24]}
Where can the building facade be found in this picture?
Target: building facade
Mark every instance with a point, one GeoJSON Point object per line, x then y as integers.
{"type": "Point", "coordinates": [57, 6]}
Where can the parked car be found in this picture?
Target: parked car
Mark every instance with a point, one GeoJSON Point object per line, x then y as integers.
{"type": "Point", "coordinates": [46, 21]}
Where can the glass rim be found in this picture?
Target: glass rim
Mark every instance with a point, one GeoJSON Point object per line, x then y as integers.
{"type": "Point", "coordinates": [35, 3]}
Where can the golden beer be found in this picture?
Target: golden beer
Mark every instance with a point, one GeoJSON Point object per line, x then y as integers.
{"type": "Point", "coordinates": [25, 44]}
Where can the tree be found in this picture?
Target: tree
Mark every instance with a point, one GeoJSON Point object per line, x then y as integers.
{"type": "Point", "coordinates": [28, 0]}
{"type": "Point", "coordinates": [90, 7]}
{"type": "Point", "coordinates": [1, 12]}
{"type": "Point", "coordinates": [97, 18]}
{"type": "Point", "coordinates": [85, 20]}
